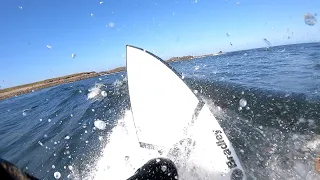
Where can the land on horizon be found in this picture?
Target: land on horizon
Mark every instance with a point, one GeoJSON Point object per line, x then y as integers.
{"type": "Point", "coordinates": [99, 31]}
{"type": "Point", "coordinates": [27, 88]}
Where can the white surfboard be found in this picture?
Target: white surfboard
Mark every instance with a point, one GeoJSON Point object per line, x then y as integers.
{"type": "Point", "coordinates": [171, 121]}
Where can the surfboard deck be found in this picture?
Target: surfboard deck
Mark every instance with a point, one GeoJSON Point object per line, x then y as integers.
{"type": "Point", "coordinates": [171, 121]}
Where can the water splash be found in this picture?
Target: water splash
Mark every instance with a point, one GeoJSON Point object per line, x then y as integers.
{"type": "Point", "coordinates": [122, 143]}
{"type": "Point", "coordinates": [57, 175]}
{"type": "Point", "coordinates": [310, 19]}
{"type": "Point", "coordinates": [267, 42]}
{"type": "Point", "coordinates": [243, 102]}
{"type": "Point", "coordinates": [99, 124]}
{"type": "Point", "coordinates": [24, 112]}
{"type": "Point", "coordinates": [95, 93]}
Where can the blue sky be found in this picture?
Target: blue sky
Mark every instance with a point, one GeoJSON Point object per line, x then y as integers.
{"type": "Point", "coordinates": [166, 27]}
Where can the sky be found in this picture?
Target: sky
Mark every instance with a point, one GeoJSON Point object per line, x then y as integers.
{"type": "Point", "coordinates": [97, 31]}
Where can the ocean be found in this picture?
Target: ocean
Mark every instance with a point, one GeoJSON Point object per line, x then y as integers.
{"type": "Point", "coordinates": [267, 100]}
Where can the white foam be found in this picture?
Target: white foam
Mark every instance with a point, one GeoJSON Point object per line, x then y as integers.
{"type": "Point", "coordinates": [314, 144]}
{"type": "Point", "coordinates": [120, 156]}
{"type": "Point", "coordinates": [99, 124]}
{"type": "Point", "coordinates": [96, 92]}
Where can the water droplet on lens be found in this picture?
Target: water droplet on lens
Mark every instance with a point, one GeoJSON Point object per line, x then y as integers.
{"type": "Point", "coordinates": [57, 175]}
{"type": "Point", "coordinates": [182, 76]}
{"type": "Point", "coordinates": [267, 42]}
{"type": "Point", "coordinates": [309, 19]}
{"type": "Point", "coordinates": [103, 93]}
{"type": "Point", "coordinates": [243, 102]}
{"type": "Point", "coordinates": [111, 24]}
{"type": "Point", "coordinates": [99, 124]}
{"type": "Point", "coordinates": [164, 168]}
{"type": "Point", "coordinates": [126, 158]}
{"type": "Point", "coordinates": [301, 120]}
{"type": "Point", "coordinates": [70, 168]}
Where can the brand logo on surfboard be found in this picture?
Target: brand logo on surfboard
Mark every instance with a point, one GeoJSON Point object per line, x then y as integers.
{"type": "Point", "coordinates": [236, 174]}
{"type": "Point", "coordinates": [226, 151]}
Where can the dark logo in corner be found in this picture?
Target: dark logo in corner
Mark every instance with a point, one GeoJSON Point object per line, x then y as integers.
{"type": "Point", "coordinates": [226, 151]}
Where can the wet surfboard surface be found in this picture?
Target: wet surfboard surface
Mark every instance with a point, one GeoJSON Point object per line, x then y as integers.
{"type": "Point", "coordinates": [171, 121]}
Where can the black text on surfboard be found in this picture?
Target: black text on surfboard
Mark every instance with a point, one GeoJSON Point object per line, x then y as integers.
{"type": "Point", "coordinates": [220, 142]}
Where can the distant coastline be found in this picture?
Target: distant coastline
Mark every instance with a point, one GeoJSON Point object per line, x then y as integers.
{"type": "Point", "coordinates": [27, 88]}
{"type": "Point", "coordinates": [183, 58]}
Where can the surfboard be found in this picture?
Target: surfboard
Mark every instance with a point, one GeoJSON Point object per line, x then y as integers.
{"type": "Point", "coordinates": [172, 121]}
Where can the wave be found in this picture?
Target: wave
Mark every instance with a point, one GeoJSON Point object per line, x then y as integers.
{"type": "Point", "coordinates": [274, 133]}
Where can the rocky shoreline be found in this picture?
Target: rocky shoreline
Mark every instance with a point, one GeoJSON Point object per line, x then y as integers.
{"type": "Point", "coordinates": [183, 58]}
{"type": "Point", "coordinates": [23, 89]}
{"type": "Point", "coordinates": [27, 88]}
